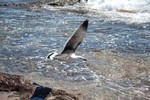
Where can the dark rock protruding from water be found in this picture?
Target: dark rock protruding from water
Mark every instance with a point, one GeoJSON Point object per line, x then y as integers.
{"type": "Point", "coordinates": [14, 87]}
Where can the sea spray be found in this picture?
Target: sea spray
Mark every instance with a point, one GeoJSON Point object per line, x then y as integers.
{"type": "Point", "coordinates": [119, 4]}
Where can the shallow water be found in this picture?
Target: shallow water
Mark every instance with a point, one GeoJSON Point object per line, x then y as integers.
{"type": "Point", "coordinates": [118, 52]}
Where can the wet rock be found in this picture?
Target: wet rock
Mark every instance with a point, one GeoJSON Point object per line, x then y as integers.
{"type": "Point", "coordinates": [14, 83]}
{"type": "Point", "coordinates": [63, 2]}
{"type": "Point", "coordinates": [61, 95]}
{"type": "Point", "coordinates": [10, 83]}
{"type": "Point", "coordinates": [126, 11]}
{"type": "Point", "coordinates": [16, 87]}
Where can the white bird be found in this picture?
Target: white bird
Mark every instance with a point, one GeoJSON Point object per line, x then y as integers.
{"type": "Point", "coordinates": [68, 53]}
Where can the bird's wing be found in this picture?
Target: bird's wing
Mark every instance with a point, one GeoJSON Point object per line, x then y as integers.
{"type": "Point", "coordinates": [75, 40]}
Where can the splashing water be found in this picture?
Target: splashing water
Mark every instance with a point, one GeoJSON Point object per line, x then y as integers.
{"type": "Point", "coordinates": [120, 4]}
{"type": "Point", "coordinates": [130, 11]}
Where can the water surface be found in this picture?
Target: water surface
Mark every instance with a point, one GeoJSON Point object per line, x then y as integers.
{"type": "Point", "coordinates": [118, 51]}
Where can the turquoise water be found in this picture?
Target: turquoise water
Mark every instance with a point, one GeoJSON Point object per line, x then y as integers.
{"type": "Point", "coordinates": [118, 50]}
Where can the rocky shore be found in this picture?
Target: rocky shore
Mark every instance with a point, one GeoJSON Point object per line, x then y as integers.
{"type": "Point", "coordinates": [16, 87]}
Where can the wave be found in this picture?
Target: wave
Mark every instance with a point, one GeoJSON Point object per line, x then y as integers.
{"type": "Point", "coordinates": [120, 4]}
{"type": "Point", "coordinates": [130, 11]}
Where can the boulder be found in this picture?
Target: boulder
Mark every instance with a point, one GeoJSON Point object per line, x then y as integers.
{"type": "Point", "coordinates": [16, 87]}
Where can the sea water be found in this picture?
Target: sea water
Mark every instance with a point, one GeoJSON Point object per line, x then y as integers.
{"type": "Point", "coordinates": [142, 5]}
{"type": "Point", "coordinates": [117, 46]}
{"type": "Point", "coordinates": [138, 10]}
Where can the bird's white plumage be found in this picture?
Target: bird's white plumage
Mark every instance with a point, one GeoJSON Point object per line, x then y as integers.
{"type": "Point", "coordinates": [53, 56]}
{"type": "Point", "coordinates": [75, 56]}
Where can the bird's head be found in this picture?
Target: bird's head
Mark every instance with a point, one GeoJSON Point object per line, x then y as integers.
{"type": "Point", "coordinates": [51, 56]}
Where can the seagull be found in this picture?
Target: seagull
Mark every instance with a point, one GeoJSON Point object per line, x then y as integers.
{"type": "Point", "coordinates": [68, 52]}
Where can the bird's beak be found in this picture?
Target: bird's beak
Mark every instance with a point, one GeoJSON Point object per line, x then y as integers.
{"type": "Point", "coordinates": [84, 59]}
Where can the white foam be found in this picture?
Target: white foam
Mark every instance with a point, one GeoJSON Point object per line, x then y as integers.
{"type": "Point", "coordinates": [120, 4]}
{"type": "Point", "coordinates": [133, 11]}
